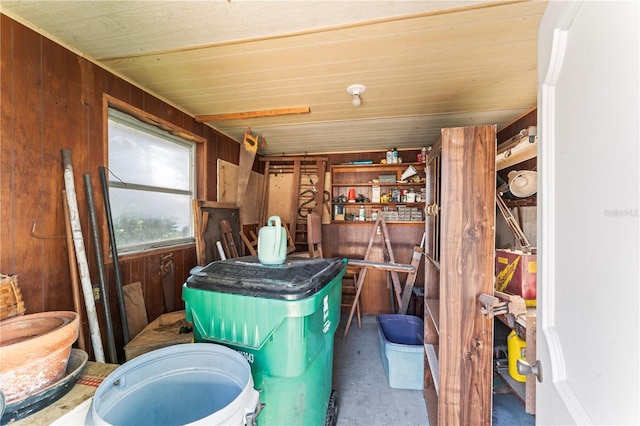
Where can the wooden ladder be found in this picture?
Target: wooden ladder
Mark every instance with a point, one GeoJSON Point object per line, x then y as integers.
{"type": "Point", "coordinates": [302, 167]}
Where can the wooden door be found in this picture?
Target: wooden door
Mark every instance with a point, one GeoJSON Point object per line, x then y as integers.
{"type": "Point", "coordinates": [458, 384]}
{"type": "Point", "coordinates": [588, 226]}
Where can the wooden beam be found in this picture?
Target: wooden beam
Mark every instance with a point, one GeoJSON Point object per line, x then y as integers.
{"type": "Point", "coordinates": [253, 114]}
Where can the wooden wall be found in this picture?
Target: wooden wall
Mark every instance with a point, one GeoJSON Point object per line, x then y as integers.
{"type": "Point", "coordinates": [53, 99]}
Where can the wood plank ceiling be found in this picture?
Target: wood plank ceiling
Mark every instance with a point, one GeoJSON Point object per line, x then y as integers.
{"type": "Point", "coordinates": [425, 64]}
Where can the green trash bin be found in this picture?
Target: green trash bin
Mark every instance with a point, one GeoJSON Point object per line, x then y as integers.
{"type": "Point", "coordinates": [282, 318]}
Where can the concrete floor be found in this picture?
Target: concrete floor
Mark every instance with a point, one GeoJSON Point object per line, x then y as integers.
{"type": "Point", "coordinates": [365, 397]}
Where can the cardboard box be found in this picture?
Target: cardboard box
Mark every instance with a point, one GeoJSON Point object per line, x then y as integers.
{"type": "Point", "coordinates": [516, 273]}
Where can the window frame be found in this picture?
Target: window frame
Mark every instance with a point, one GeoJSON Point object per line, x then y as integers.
{"type": "Point", "coordinates": [178, 135]}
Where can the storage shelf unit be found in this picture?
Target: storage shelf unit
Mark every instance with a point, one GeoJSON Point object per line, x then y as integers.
{"type": "Point", "coordinates": [360, 178]}
{"type": "Point", "coordinates": [459, 251]}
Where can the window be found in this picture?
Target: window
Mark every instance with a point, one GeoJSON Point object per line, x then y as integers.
{"type": "Point", "coordinates": [151, 184]}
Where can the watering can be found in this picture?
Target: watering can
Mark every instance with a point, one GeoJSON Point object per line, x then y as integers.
{"type": "Point", "coordinates": [272, 242]}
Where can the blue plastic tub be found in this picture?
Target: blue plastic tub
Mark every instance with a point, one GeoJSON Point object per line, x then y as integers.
{"type": "Point", "coordinates": [401, 350]}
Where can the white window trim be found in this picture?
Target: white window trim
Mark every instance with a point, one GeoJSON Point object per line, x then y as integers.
{"type": "Point", "coordinates": [131, 118]}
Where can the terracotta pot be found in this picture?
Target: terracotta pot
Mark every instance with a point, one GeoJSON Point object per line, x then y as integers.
{"type": "Point", "coordinates": [34, 351]}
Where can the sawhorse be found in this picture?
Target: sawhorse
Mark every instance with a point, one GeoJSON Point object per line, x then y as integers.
{"type": "Point", "coordinates": [402, 296]}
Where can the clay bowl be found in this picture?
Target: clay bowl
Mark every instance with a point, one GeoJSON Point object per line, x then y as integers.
{"type": "Point", "coordinates": [34, 351]}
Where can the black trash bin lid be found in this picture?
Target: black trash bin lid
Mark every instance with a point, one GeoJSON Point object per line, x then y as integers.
{"type": "Point", "coordinates": [297, 278]}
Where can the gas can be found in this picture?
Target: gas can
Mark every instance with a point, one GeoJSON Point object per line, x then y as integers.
{"type": "Point", "coordinates": [516, 347]}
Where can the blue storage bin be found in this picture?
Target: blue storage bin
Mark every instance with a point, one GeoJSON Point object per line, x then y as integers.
{"type": "Point", "coordinates": [401, 350]}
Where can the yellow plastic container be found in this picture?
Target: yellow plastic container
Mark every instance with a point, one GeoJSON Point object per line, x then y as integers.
{"type": "Point", "coordinates": [516, 348]}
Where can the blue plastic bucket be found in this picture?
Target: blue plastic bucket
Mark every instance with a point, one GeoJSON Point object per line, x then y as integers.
{"type": "Point", "coordinates": [196, 383]}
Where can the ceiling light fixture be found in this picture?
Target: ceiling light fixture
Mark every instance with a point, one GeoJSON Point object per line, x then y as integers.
{"type": "Point", "coordinates": [356, 90]}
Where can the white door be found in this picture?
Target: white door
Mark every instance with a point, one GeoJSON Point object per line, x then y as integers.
{"type": "Point", "coordinates": [588, 234]}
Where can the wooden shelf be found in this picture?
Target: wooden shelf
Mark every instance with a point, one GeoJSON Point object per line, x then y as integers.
{"type": "Point", "coordinates": [365, 184]}
{"type": "Point", "coordinates": [518, 388]}
{"type": "Point", "coordinates": [361, 177]}
{"type": "Point", "coordinates": [369, 204]}
{"type": "Point", "coordinates": [431, 353]}
{"type": "Point", "coordinates": [433, 309]}
{"type": "Point", "coordinates": [374, 167]}
{"type": "Point", "coordinates": [371, 222]}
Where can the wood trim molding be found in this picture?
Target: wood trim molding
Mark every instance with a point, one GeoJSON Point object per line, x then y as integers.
{"type": "Point", "coordinates": [253, 114]}
{"type": "Point", "coordinates": [151, 119]}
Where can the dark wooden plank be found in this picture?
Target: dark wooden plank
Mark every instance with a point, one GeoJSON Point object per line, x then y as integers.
{"type": "Point", "coordinates": [173, 115]}
{"type": "Point", "coordinates": [120, 89]}
{"type": "Point", "coordinates": [26, 157]}
{"type": "Point", "coordinates": [228, 149]}
{"type": "Point", "coordinates": [153, 286]}
{"type": "Point", "coordinates": [64, 126]}
{"type": "Point", "coordinates": [151, 104]}
{"type": "Point", "coordinates": [468, 187]}
{"type": "Point", "coordinates": [133, 269]}
{"type": "Point", "coordinates": [93, 82]}
{"type": "Point", "coordinates": [183, 262]}
{"type": "Point", "coordinates": [7, 129]}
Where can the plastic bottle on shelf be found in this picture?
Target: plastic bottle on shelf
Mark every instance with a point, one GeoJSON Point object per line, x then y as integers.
{"type": "Point", "coordinates": [389, 157]}
{"type": "Point", "coordinates": [424, 154]}
{"type": "Point", "coordinates": [395, 156]}
{"type": "Point", "coordinates": [411, 196]}
{"type": "Point", "coordinates": [362, 217]}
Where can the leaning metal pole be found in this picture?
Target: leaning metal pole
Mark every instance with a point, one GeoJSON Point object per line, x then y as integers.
{"type": "Point", "coordinates": [97, 245]}
{"type": "Point", "coordinates": [114, 255]}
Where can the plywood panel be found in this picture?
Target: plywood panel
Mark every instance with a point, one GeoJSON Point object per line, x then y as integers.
{"type": "Point", "coordinates": [135, 306]}
{"type": "Point", "coordinates": [227, 182]}
{"type": "Point", "coordinates": [326, 212]}
{"type": "Point", "coordinates": [227, 191]}
{"type": "Point", "coordinates": [250, 211]}
{"type": "Point", "coordinates": [280, 188]}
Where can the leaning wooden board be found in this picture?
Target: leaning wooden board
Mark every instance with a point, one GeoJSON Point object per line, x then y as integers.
{"type": "Point", "coordinates": [162, 332]}
{"type": "Point", "coordinates": [84, 389]}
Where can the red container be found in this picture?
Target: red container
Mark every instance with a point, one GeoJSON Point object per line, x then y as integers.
{"type": "Point", "coordinates": [516, 274]}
